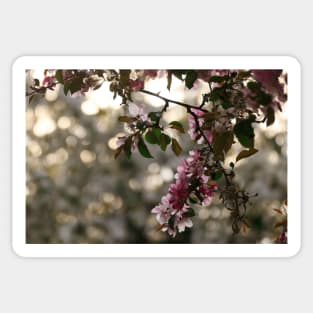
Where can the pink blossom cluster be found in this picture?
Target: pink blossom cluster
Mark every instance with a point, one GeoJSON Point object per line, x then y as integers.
{"type": "Point", "coordinates": [193, 132]}
{"type": "Point", "coordinates": [174, 212]}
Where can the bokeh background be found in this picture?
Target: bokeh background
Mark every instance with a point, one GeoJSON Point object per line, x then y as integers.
{"type": "Point", "coordinates": [77, 193]}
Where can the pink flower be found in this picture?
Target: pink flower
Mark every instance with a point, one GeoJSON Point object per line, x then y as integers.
{"type": "Point", "coordinates": [46, 81]}
{"type": "Point", "coordinates": [173, 213]}
{"type": "Point", "coordinates": [136, 85]}
{"type": "Point", "coordinates": [193, 132]}
{"type": "Point", "coordinates": [150, 73]}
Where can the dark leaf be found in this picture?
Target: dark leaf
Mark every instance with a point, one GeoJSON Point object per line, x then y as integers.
{"type": "Point", "coordinates": [171, 222]}
{"type": "Point", "coordinates": [192, 200]}
{"type": "Point", "coordinates": [179, 73]}
{"type": "Point", "coordinates": [226, 104]}
{"type": "Point", "coordinates": [254, 86]}
{"type": "Point", "coordinates": [67, 87]}
{"type": "Point", "coordinates": [245, 154]}
{"type": "Point", "coordinates": [245, 133]}
{"type": "Point", "coordinates": [217, 175]}
{"type": "Point", "coordinates": [189, 213]}
{"type": "Point", "coordinates": [143, 149]}
{"type": "Point", "coordinates": [59, 76]}
{"type": "Point", "coordinates": [169, 79]}
{"type": "Point", "coordinates": [154, 116]}
{"type": "Point", "coordinates": [222, 143]}
{"type": "Point", "coordinates": [157, 133]}
{"type": "Point", "coordinates": [176, 147]}
{"type": "Point", "coordinates": [191, 77]}
{"type": "Point", "coordinates": [124, 78]}
{"type": "Point", "coordinates": [270, 116]}
{"type": "Point", "coordinates": [127, 119]}
{"type": "Point", "coordinates": [217, 79]}
{"type": "Point", "coordinates": [164, 141]}
{"type": "Point", "coordinates": [127, 147]}
{"type": "Point", "coordinates": [76, 85]}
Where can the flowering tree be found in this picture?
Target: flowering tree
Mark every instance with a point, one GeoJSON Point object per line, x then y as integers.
{"type": "Point", "coordinates": [235, 102]}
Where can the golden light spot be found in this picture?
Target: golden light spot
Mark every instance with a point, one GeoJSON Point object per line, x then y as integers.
{"type": "Point", "coordinates": [45, 125]}
{"type": "Point", "coordinates": [34, 149]}
{"type": "Point", "coordinates": [64, 122]}
{"type": "Point", "coordinates": [153, 182]}
{"type": "Point", "coordinates": [87, 156]}
{"type": "Point", "coordinates": [273, 157]}
{"type": "Point", "coordinates": [154, 168]}
{"type": "Point", "coordinates": [89, 108]}
{"type": "Point", "coordinates": [108, 197]}
{"type": "Point", "coordinates": [167, 173]}
{"type": "Point", "coordinates": [79, 131]}
{"type": "Point", "coordinates": [134, 184]}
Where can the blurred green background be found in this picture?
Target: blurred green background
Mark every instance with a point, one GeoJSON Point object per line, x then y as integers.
{"type": "Point", "coordinates": [77, 193]}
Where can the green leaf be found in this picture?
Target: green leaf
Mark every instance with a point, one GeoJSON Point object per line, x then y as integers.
{"type": "Point", "coordinates": [151, 138]}
{"type": "Point", "coordinates": [178, 126]}
{"type": "Point", "coordinates": [190, 213]}
{"type": "Point", "coordinates": [217, 79]}
{"type": "Point", "coordinates": [157, 133]}
{"type": "Point", "coordinates": [245, 133]}
{"type": "Point", "coordinates": [191, 77]}
{"type": "Point", "coordinates": [67, 87]}
{"type": "Point", "coordinates": [176, 147]}
{"type": "Point", "coordinates": [143, 149]}
{"type": "Point", "coordinates": [59, 76]}
{"type": "Point", "coordinates": [253, 86]}
{"type": "Point", "coordinates": [246, 153]}
{"type": "Point", "coordinates": [217, 175]}
{"type": "Point", "coordinates": [192, 200]}
{"type": "Point", "coordinates": [154, 116]}
{"type": "Point", "coordinates": [164, 141]}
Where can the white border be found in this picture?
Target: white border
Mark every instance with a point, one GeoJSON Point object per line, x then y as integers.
{"type": "Point", "coordinates": [156, 250]}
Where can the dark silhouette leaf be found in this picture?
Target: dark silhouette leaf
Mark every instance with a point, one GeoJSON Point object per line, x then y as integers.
{"type": "Point", "coordinates": [246, 153]}
{"type": "Point", "coordinates": [143, 149]}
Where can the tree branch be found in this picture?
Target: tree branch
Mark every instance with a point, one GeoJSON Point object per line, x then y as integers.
{"type": "Point", "coordinates": [185, 105]}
